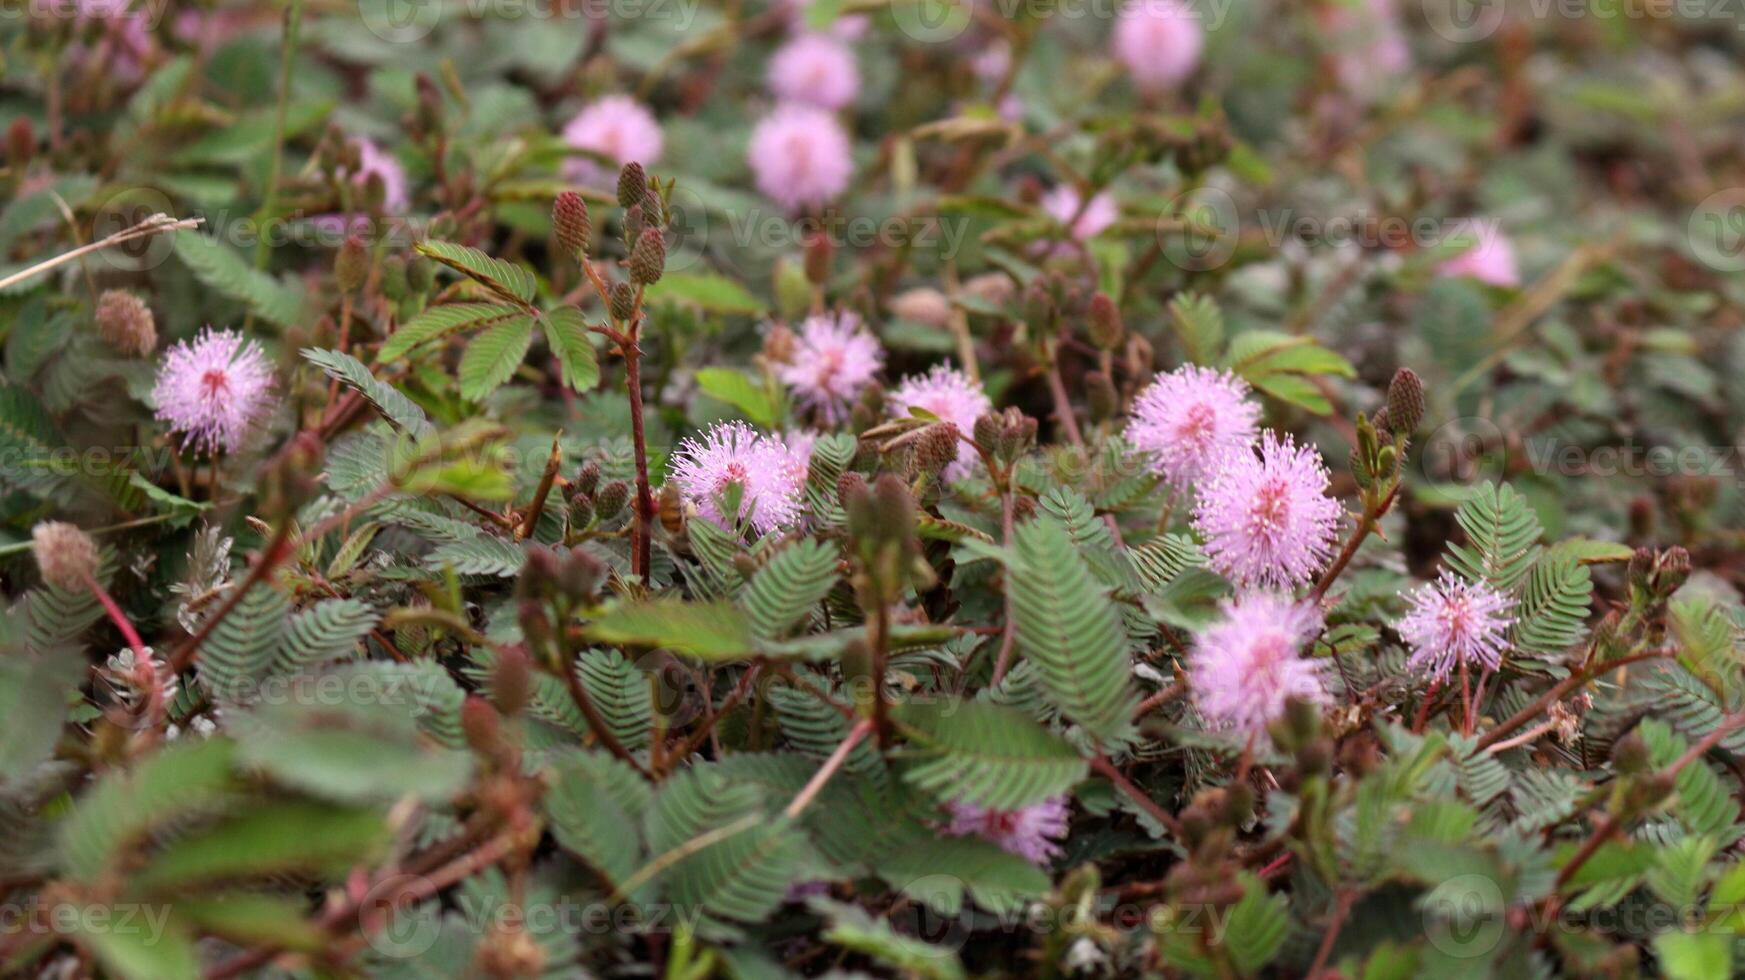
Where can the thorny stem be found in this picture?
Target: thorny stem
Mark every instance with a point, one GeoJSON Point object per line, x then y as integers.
{"type": "Point", "coordinates": [1371, 517]}
{"type": "Point", "coordinates": [1560, 691]}
{"type": "Point", "coordinates": [1341, 910]}
{"type": "Point", "coordinates": [1107, 770]}
{"type": "Point", "coordinates": [1008, 635]}
{"type": "Point", "coordinates": [643, 552]}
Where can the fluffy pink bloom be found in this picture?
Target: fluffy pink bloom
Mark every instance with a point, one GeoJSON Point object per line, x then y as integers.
{"type": "Point", "coordinates": [1030, 833]}
{"type": "Point", "coordinates": [800, 156]}
{"type": "Point", "coordinates": [1062, 204]}
{"type": "Point", "coordinates": [800, 443]}
{"type": "Point", "coordinates": [213, 390]}
{"type": "Point", "coordinates": [1490, 260]}
{"type": "Point", "coordinates": [954, 398]}
{"type": "Point", "coordinates": [833, 360]}
{"type": "Point", "coordinates": [770, 477]}
{"type": "Point", "coordinates": [1265, 514]}
{"type": "Point", "coordinates": [1159, 41]}
{"type": "Point", "coordinates": [617, 127]}
{"type": "Point", "coordinates": [1452, 622]}
{"type": "Point", "coordinates": [1190, 417]}
{"type": "Point", "coordinates": [373, 161]}
{"type": "Point", "coordinates": [816, 69]}
{"type": "Point", "coordinates": [1247, 665]}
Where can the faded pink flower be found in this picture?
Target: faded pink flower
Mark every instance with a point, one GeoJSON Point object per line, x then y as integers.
{"type": "Point", "coordinates": [1265, 514]}
{"type": "Point", "coordinates": [1452, 622]}
{"type": "Point", "coordinates": [953, 397]}
{"type": "Point", "coordinates": [1491, 259]}
{"type": "Point", "coordinates": [1369, 45]}
{"type": "Point", "coordinates": [1247, 665]}
{"type": "Point", "coordinates": [1031, 832]}
{"type": "Point", "coordinates": [815, 69]}
{"type": "Point", "coordinates": [833, 360]}
{"type": "Point", "coordinates": [617, 127]}
{"type": "Point", "coordinates": [373, 161]}
{"type": "Point", "coordinates": [1190, 417]}
{"type": "Point", "coordinates": [800, 156]}
{"type": "Point", "coordinates": [213, 390]}
{"type": "Point", "coordinates": [1063, 205]}
{"type": "Point", "coordinates": [770, 478]}
{"type": "Point", "coordinates": [1159, 41]}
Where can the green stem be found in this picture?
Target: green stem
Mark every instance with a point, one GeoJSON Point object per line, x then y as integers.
{"type": "Point", "coordinates": [287, 57]}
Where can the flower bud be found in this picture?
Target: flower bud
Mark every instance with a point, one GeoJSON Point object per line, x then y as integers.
{"type": "Point", "coordinates": [1630, 755]}
{"type": "Point", "coordinates": [1405, 402]}
{"type": "Point", "coordinates": [481, 725]}
{"type": "Point", "coordinates": [820, 253]}
{"type": "Point", "coordinates": [420, 274]}
{"type": "Point", "coordinates": [1672, 571]}
{"type": "Point", "coordinates": [66, 556]}
{"type": "Point", "coordinates": [611, 499]}
{"type": "Point", "coordinates": [125, 323]}
{"type": "Point", "coordinates": [922, 305]}
{"type": "Point", "coordinates": [511, 681]}
{"type": "Point", "coordinates": [632, 185]}
{"type": "Point", "coordinates": [1100, 396]}
{"type": "Point", "coordinates": [648, 259]}
{"type": "Point", "coordinates": [936, 448]}
{"type": "Point", "coordinates": [581, 511]}
{"type": "Point", "coordinates": [622, 303]}
{"type": "Point", "coordinates": [20, 144]}
{"type": "Point", "coordinates": [395, 284]}
{"type": "Point", "coordinates": [570, 224]}
{"type": "Point", "coordinates": [580, 575]}
{"type": "Point", "coordinates": [587, 479]}
{"type": "Point", "coordinates": [351, 267]}
{"type": "Point", "coordinates": [1106, 328]}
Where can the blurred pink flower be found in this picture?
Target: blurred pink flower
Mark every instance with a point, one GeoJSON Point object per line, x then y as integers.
{"type": "Point", "coordinates": [1159, 41]}
{"type": "Point", "coordinates": [833, 360]}
{"type": "Point", "coordinates": [769, 476]}
{"type": "Point", "coordinates": [619, 128]}
{"type": "Point", "coordinates": [1369, 45]}
{"type": "Point", "coordinates": [1030, 833]}
{"type": "Point", "coordinates": [816, 69]}
{"type": "Point", "coordinates": [1265, 515]}
{"type": "Point", "coordinates": [1452, 622]}
{"type": "Point", "coordinates": [1491, 259]}
{"type": "Point", "coordinates": [373, 161]}
{"type": "Point", "coordinates": [1062, 204]}
{"type": "Point", "coordinates": [1247, 665]}
{"type": "Point", "coordinates": [800, 156]}
{"type": "Point", "coordinates": [213, 390]}
{"type": "Point", "coordinates": [1188, 418]}
{"type": "Point", "coordinates": [953, 397]}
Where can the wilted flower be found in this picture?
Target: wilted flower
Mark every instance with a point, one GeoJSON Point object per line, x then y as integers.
{"type": "Point", "coordinates": [953, 397]}
{"type": "Point", "coordinates": [1247, 665]}
{"type": "Point", "coordinates": [1159, 42]}
{"type": "Point", "coordinates": [800, 156]}
{"type": "Point", "coordinates": [816, 69]}
{"type": "Point", "coordinates": [1265, 514]}
{"type": "Point", "coordinates": [213, 390]}
{"type": "Point", "coordinates": [1063, 205]}
{"type": "Point", "coordinates": [770, 478]}
{"type": "Point", "coordinates": [1452, 622]}
{"type": "Point", "coordinates": [66, 555]}
{"type": "Point", "coordinates": [617, 127]}
{"type": "Point", "coordinates": [1188, 418]}
{"type": "Point", "coordinates": [125, 323]}
{"type": "Point", "coordinates": [1030, 832]}
{"type": "Point", "coordinates": [832, 360]}
{"type": "Point", "coordinates": [1491, 259]}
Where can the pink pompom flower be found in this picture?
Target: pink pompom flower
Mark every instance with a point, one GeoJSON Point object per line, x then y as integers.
{"type": "Point", "coordinates": [1159, 42]}
{"type": "Point", "coordinates": [769, 476]}
{"type": "Point", "coordinates": [833, 360]}
{"type": "Point", "coordinates": [1452, 622]}
{"type": "Point", "coordinates": [953, 397]}
{"type": "Point", "coordinates": [1490, 260]}
{"type": "Point", "coordinates": [213, 390]}
{"type": "Point", "coordinates": [1265, 514]}
{"type": "Point", "coordinates": [1188, 418]}
{"type": "Point", "coordinates": [1063, 205]}
{"type": "Point", "coordinates": [815, 69]}
{"type": "Point", "coordinates": [1247, 665]}
{"type": "Point", "coordinates": [1031, 832]}
{"type": "Point", "coordinates": [800, 157]}
{"type": "Point", "coordinates": [618, 128]}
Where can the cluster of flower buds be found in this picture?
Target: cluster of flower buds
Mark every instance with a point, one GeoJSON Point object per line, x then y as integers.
{"type": "Point", "coordinates": [1005, 435]}
{"type": "Point", "coordinates": [881, 524]}
{"type": "Point", "coordinates": [555, 580]}
{"type": "Point", "coordinates": [593, 503]}
{"type": "Point", "coordinates": [1654, 577]}
{"type": "Point", "coordinates": [1382, 439]}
